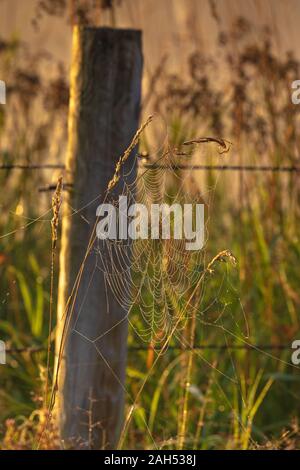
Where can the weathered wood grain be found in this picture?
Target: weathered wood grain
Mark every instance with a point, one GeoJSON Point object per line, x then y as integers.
{"type": "Point", "coordinates": [103, 117]}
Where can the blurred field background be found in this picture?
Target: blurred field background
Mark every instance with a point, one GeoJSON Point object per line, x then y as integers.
{"type": "Point", "coordinates": [220, 68]}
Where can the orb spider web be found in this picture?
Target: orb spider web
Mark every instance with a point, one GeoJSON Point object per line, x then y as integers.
{"type": "Point", "coordinates": [153, 277]}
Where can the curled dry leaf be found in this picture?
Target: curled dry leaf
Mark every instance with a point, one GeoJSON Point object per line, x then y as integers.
{"type": "Point", "coordinates": [224, 145]}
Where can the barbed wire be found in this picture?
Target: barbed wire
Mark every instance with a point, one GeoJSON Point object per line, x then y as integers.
{"type": "Point", "coordinates": [52, 187]}
{"type": "Point", "coordinates": [257, 347]}
{"type": "Point", "coordinates": [31, 350]}
{"type": "Point", "coordinates": [216, 346]}
{"type": "Point", "coordinates": [262, 168]}
{"type": "Point", "coordinates": [33, 166]}
{"type": "Point", "coordinates": [252, 168]}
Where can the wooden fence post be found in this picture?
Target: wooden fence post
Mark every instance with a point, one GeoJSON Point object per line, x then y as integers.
{"type": "Point", "coordinates": [103, 117]}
